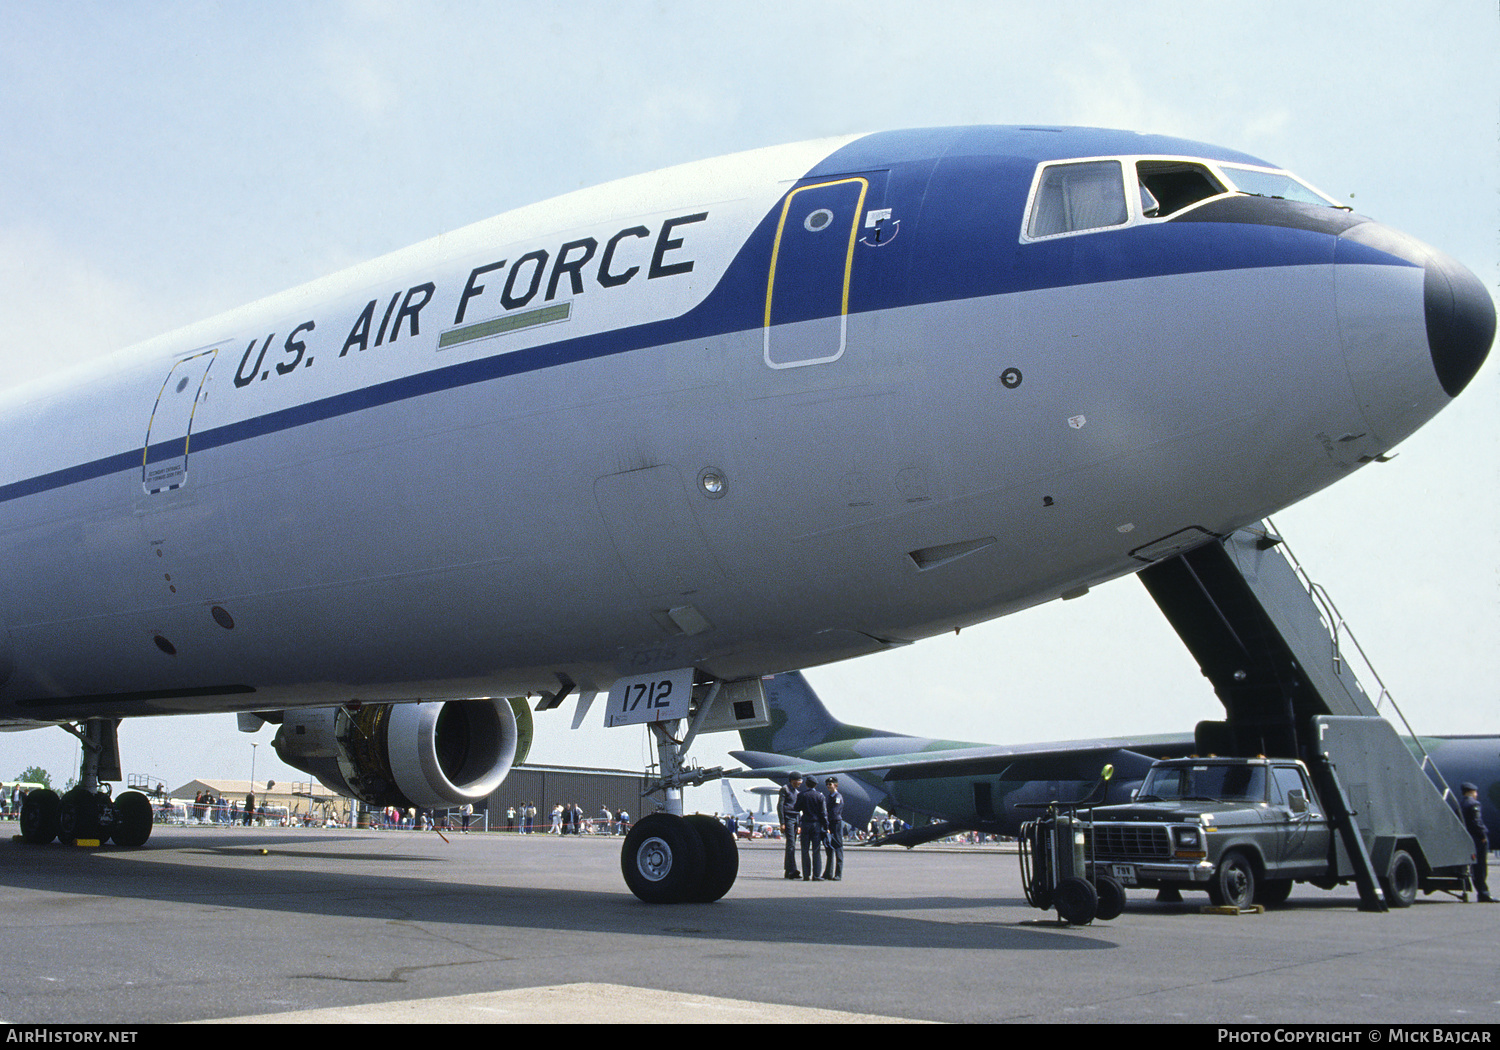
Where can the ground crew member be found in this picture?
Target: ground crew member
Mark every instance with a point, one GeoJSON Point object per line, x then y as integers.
{"type": "Point", "coordinates": [786, 812]}
{"type": "Point", "coordinates": [1474, 825]}
{"type": "Point", "coordinates": [834, 867]}
{"type": "Point", "coordinates": [814, 811]}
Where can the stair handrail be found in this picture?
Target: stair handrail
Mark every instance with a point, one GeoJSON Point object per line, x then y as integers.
{"type": "Point", "coordinates": [1338, 627]}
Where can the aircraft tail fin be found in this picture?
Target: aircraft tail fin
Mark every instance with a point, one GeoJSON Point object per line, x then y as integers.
{"type": "Point", "coordinates": [731, 802]}
{"type": "Point", "coordinates": [799, 720]}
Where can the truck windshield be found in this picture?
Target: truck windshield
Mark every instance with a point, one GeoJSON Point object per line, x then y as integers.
{"type": "Point", "coordinates": [1205, 783]}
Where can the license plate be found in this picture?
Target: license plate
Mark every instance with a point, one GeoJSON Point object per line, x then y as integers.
{"type": "Point", "coordinates": [1124, 873]}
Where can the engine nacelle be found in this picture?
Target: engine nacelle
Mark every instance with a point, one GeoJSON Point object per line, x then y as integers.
{"type": "Point", "coordinates": [431, 755]}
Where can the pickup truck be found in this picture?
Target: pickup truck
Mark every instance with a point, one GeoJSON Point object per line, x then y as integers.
{"type": "Point", "coordinates": [1244, 829]}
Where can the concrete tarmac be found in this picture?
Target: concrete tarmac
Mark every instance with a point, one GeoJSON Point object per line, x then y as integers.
{"type": "Point", "coordinates": [368, 927]}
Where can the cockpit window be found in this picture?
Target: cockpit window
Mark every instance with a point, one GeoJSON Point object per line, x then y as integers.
{"type": "Point", "coordinates": [1174, 185]}
{"type": "Point", "coordinates": [1073, 197]}
{"type": "Point", "coordinates": [1093, 194]}
{"type": "Point", "coordinates": [1279, 184]}
{"type": "Point", "coordinates": [1150, 206]}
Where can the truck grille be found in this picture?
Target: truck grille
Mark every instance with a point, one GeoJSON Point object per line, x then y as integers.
{"type": "Point", "coordinates": [1131, 841]}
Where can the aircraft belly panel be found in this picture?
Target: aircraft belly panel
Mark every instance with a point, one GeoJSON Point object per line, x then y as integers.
{"type": "Point", "coordinates": [1115, 435]}
{"type": "Point", "coordinates": [655, 534]}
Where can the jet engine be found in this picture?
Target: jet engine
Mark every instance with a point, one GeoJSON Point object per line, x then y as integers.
{"type": "Point", "coordinates": [430, 755]}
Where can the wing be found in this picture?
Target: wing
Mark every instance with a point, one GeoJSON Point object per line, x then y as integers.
{"type": "Point", "coordinates": [1059, 760]}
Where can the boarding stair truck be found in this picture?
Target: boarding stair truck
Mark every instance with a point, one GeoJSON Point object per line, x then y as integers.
{"type": "Point", "coordinates": [1246, 829]}
{"type": "Point", "coordinates": [1277, 653]}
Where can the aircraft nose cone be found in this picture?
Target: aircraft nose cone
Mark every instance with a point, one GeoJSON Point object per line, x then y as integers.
{"type": "Point", "coordinates": [1460, 321]}
{"type": "Point", "coordinates": [1457, 312]}
{"type": "Point", "coordinates": [1414, 335]}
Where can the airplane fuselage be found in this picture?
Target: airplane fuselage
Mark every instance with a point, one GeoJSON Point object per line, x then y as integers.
{"type": "Point", "coordinates": [751, 414]}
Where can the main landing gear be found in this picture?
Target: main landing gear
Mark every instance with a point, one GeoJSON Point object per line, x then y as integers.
{"type": "Point", "coordinates": [88, 812]}
{"type": "Point", "coordinates": [671, 859]}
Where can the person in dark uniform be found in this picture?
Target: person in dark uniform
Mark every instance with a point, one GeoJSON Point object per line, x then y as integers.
{"type": "Point", "coordinates": [1474, 825]}
{"type": "Point", "coordinates": [786, 812]}
{"type": "Point", "coordinates": [833, 868]}
{"type": "Point", "coordinates": [814, 810]}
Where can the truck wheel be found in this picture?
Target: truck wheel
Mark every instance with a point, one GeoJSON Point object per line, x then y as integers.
{"type": "Point", "coordinates": [1077, 901]}
{"type": "Point", "coordinates": [1272, 892]}
{"type": "Point", "coordinates": [1233, 884]}
{"type": "Point", "coordinates": [1400, 886]}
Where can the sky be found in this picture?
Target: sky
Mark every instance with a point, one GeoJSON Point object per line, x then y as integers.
{"type": "Point", "coordinates": [162, 162]}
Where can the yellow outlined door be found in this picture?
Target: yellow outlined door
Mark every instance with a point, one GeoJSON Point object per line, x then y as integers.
{"type": "Point", "coordinates": [807, 289]}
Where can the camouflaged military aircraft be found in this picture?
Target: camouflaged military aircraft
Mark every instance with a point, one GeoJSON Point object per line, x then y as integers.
{"type": "Point", "coordinates": [947, 786]}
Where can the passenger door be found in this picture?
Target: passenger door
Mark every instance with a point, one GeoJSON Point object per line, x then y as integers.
{"type": "Point", "coordinates": [812, 261]}
{"type": "Point", "coordinates": [170, 428]}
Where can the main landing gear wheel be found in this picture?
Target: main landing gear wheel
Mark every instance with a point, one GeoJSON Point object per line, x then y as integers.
{"type": "Point", "coordinates": [663, 859]}
{"type": "Point", "coordinates": [39, 817]}
{"type": "Point", "coordinates": [78, 816]}
{"type": "Point", "coordinates": [721, 859]}
{"type": "Point", "coordinates": [133, 820]}
{"type": "Point", "coordinates": [669, 859]}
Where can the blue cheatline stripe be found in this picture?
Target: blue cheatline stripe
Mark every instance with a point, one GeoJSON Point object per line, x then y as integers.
{"type": "Point", "coordinates": [452, 377]}
{"type": "Point", "coordinates": [71, 475]}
